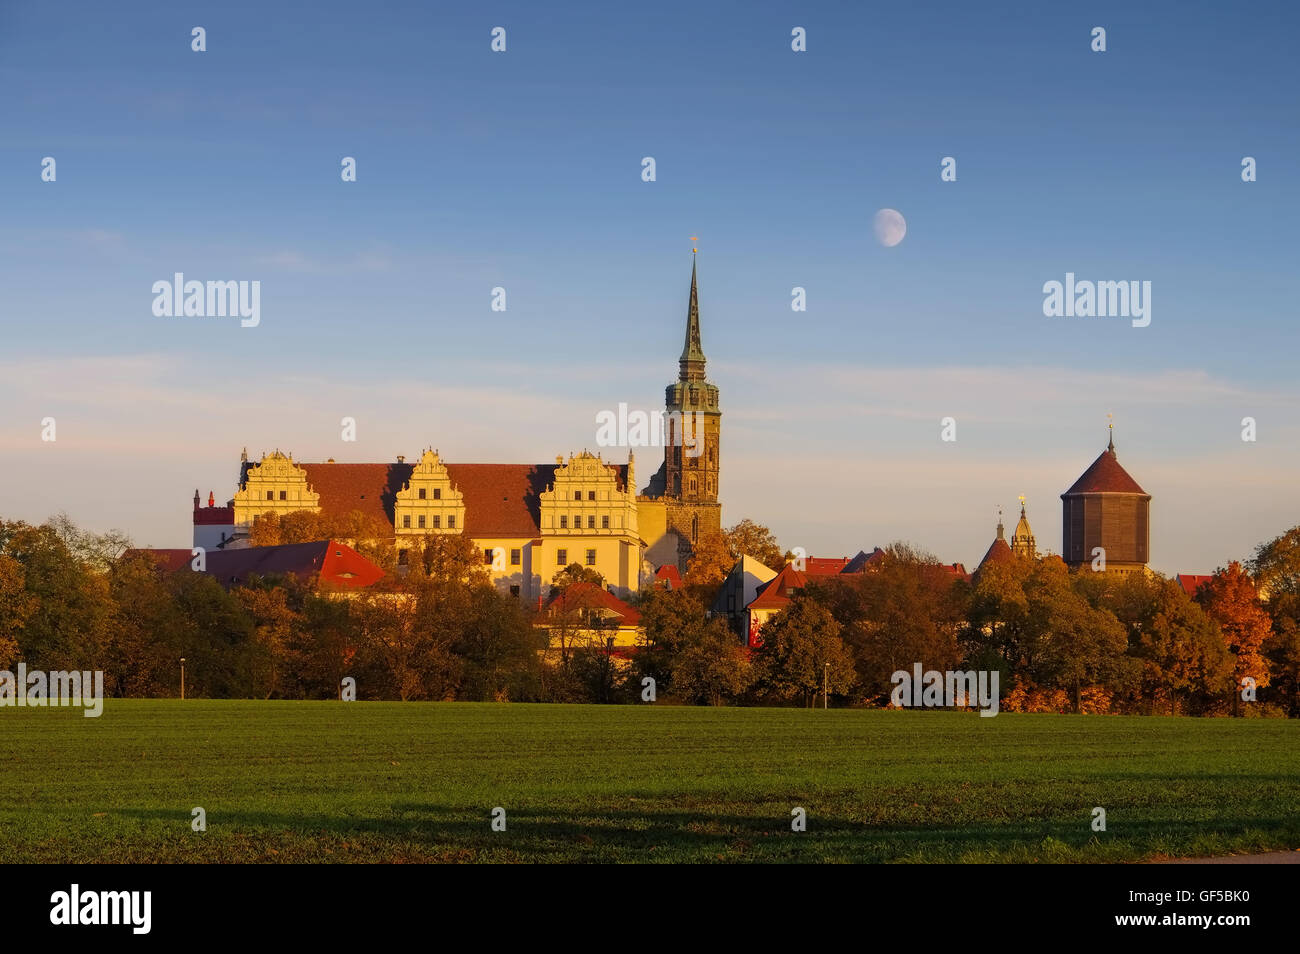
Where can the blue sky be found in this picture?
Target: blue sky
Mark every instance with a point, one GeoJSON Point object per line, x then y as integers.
{"type": "Point", "coordinates": [522, 169]}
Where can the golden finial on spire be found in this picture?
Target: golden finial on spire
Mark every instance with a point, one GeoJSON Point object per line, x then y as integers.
{"type": "Point", "coordinates": [693, 241]}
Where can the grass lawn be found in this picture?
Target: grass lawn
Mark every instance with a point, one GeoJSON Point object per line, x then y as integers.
{"type": "Point", "coordinates": [365, 781]}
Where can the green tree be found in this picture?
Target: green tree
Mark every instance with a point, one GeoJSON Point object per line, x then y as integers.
{"type": "Point", "coordinates": [710, 666]}
{"type": "Point", "coordinates": [801, 648]}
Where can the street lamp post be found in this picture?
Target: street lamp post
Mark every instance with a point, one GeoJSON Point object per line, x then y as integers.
{"type": "Point", "coordinates": [182, 677]}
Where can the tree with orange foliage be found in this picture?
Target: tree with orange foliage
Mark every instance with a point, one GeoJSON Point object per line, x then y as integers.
{"type": "Point", "coordinates": [1231, 600]}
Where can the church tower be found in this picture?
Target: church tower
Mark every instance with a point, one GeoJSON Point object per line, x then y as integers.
{"type": "Point", "coordinates": [688, 480]}
{"type": "Point", "coordinates": [1022, 541]}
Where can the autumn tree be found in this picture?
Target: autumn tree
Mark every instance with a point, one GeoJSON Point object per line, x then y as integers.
{"type": "Point", "coordinates": [716, 553]}
{"type": "Point", "coordinates": [450, 558]}
{"type": "Point", "coordinates": [147, 630]}
{"type": "Point", "coordinates": [748, 538]}
{"type": "Point", "coordinates": [1231, 600]}
{"type": "Point", "coordinates": [711, 561]}
{"type": "Point", "coordinates": [274, 610]}
{"type": "Point", "coordinates": [265, 531]}
{"type": "Point", "coordinates": [16, 604]}
{"type": "Point", "coordinates": [905, 609]}
{"type": "Point", "coordinates": [1275, 566]}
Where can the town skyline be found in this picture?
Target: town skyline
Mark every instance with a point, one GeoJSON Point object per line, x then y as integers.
{"type": "Point", "coordinates": [479, 170]}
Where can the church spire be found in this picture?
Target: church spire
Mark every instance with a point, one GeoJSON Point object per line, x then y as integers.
{"type": "Point", "coordinates": [692, 360]}
{"type": "Point", "coordinates": [1022, 541]}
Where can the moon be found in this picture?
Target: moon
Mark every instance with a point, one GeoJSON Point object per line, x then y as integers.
{"type": "Point", "coordinates": [890, 227]}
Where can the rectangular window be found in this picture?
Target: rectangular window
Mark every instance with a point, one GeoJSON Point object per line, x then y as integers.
{"type": "Point", "coordinates": [451, 521]}
{"type": "Point", "coordinates": [487, 555]}
{"type": "Point", "coordinates": [270, 495]}
{"type": "Point", "coordinates": [564, 523]}
{"type": "Point", "coordinates": [437, 523]}
{"type": "Point", "coordinates": [577, 495]}
{"type": "Point", "coordinates": [561, 557]}
{"type": "Point", "coordinates": [577, 521]}
{"type": "Point", "coordinates": [591, 495]}
{"type": "Point", "coordinates": [604, 523]}
{"type": "Point", "coordinates": [514, 557]}
{"type": "Point", "coordinates": [591, 523]}
{"type": "Point", "coordinates": [437, 493]}
{"type": "Point", "coordinates": [421, 494]}
{"type": "Point", "coordinates": [591, 558]}
{"type": "Point", "coordinates": [514, 591]}
{"type": "Point", "coordinates": [421, 521]}
{"type": "Point", "coordinates": [406, 522]}
{"type": "Point", "coordinates": [284, 495]}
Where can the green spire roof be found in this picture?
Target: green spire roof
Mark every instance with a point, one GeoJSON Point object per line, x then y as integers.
{"type": "Point", "coordinates": [692, 360]}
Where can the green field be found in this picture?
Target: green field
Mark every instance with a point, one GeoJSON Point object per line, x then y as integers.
{"type": "Point", "coordinates": [335, 782]}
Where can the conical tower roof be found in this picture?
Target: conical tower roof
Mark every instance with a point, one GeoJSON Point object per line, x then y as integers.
{"type": "Point", "coordinates": [999, 551]}
{"type": "Point", "coordinates": [1105, 476]}
{"type": "Point", "coordinates": [692, 360]}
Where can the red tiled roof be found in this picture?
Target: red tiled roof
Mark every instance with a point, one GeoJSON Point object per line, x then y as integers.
{"type": "Point", "coordinates": [1191, 582]}
{"type": "Point", "coordinates": [214, 516]}
{"type": "Point", "coordinates": [590, 596]}
{"type": "Point", "coordinates": [824, 566]}
{"type": "Point", "coordinates": [957, 571]}
{"type": "Point", "coordinates": [668, 573]}
{"type": "Point", "coordinates": [501, 500]}
{"type": "Point", "coordinates": [368, 488]}
{"type": "Point", "coordinates": [335, 563]}
{"type": "Point", "coordinates": [775, 593]}
{"type": "Point", "coordinates": [999, 551]}
{"type": "Point", "coordinates": [1105, 476]}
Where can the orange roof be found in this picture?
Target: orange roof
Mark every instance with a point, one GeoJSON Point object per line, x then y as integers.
{"type": "Point", "coordinates": [668, 573]}
{"type": "Point", "coordinates": [585, 595]}
{"type": "Point", "coordinates": [1105, 476]}
{"type": "Point", "coordinates": [775, 593]}
{"type": "Point", "coordinates": [1191, 582]}
{"type": "Point", "coordinates": [998, 552]}
{"type": "Point", "coordinates": [957, 571]}
{"type": "Point", "coordinates": [824, 566]}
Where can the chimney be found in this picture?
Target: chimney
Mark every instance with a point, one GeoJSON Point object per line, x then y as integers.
{"type": "Point", "coordinates": [401, 459]}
